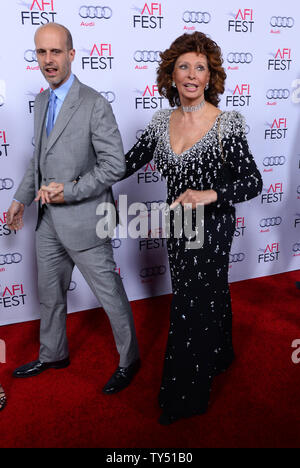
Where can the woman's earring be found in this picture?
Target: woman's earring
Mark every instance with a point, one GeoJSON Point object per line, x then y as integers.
{"type": "Point", "coordinates": [173, 84]}
{"type": "Point", "coordinates": [207, 86]}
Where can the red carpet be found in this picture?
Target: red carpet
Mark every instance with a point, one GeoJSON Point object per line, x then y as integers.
{"type": "Point", "coordinates": [255, 404]}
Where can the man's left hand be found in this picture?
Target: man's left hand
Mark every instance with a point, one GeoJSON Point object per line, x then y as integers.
{"type": "Point", "coordinates": [53, 193]}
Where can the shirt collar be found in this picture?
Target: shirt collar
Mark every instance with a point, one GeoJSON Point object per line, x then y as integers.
{"type": "Point", "coordinates": [63, 90]}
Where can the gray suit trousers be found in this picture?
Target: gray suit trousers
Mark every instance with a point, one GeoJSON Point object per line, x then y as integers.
{"type": "Point", "coordinates": [55, 266]}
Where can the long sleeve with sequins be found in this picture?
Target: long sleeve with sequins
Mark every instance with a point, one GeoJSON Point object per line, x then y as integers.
{"type": "Point", "coordinates": [142, 152]}
{"type": "Point", "coordinates": [246, 179]}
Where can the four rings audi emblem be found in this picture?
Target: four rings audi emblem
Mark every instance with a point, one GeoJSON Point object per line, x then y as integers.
{"type": "Point", "coordinates": [109, 96]}
{"type": "Point", "coordinates": [238, 257]}
{"type": "Point", "coordinates": [274, 161]}
{"type": "Point", "coordinates": [239, 57]}
{"type": "Point", "coordinates": [93, 12]}
{"type": "Point", "coordinates": [30, 55]}
{"type": "Point", "coordinates": [296, 247]}
{"type": "Point", "coordinates": [153, 271]}
{"type": "Point", "coordinates": [278, 94]}
{"type": "Point", "coordinates": [196, 17]}
{"type": "Point", "coordinates": [9, 259]}
{"type": "Point", "coordinates": [6, 184]}
{"type": "Point", "coordinates": [116, 243]}
{"type": "Point", "coordinates": [282, 22]}
{"type": "Point", "coordinates": [147, 56]}
{"type": "Point", "coordinates": [268, 222]}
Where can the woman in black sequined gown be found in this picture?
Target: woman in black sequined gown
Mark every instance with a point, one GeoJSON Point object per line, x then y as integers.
{"type": "Point", "coordinates": [189, 146]}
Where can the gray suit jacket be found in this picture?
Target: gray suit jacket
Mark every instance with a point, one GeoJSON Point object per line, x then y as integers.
{"type": "Point", "coordinates": [85, 142]}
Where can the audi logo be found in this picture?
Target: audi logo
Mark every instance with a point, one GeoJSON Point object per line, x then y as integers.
{"type": "Point", "coordinates": [30, 55]}
{"type": "Point", "coordinates": [298, 189]}
{"type": "Point", "coordinates": [109, 96]}
{"type": "Point", "coordinates": [147, 56]}
{"type": "Point", "coordinates": [95, 12]}
{"type": "Point", "coordinates": [72, 286]}
{"type": "Point", "coordinates": [282, 21]}
{"type": "Point", "coordinates": [268, 222]}
{"type": "Point", "coordinates": [153, 271]}
{"type": "Point", "coordinates": [296, 247]}
{"type": "Point", "coordinates": [116, 243]}
{"type": "Point", "coordinates": [274, 161]}
{"type": "Point", "coordinates": [239, 257]}
{"type": "Point", "coordinates": [1, 100]}
{"type": "Point", "coordinates": [6, 184]}
{"type": "Point", "coordinates": [196, 17]}
{"type": "Point", "coordinates": [278, 94]}
{"type": "Point", "coordinates": [239, 57]}
{"type": "Point", "coordinates": [8, 259]}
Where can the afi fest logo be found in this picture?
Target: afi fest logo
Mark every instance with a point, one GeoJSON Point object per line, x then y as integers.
{"type": "Point", "coordinates": [278, 129]}
{"type": "Point", "coordinates": [281, 60]}
{"type": "Point", "coordinates": [149, 17]}
{"type": "Point", "coordinates": [38, 13]}
{"type": "Point", "coordinates": [297, 220]}
{"type": "Point", "coordinates": [149, 174]}
{"type": "Point", "coordinates": [99, 58]}
{"type": "Point", "coordinates": [240, 97]}
{"type": "Point", "coordinates": [242, 21]}
{"type": "Point", "coordinates": [274, 193]}
{"type": "Point", "coordinates": [31, 101]}
{"type": "Point", "coordinates": [149, 99]}
{"type": "Point", "coordinates": [4, 145]}
{"type": "Point", "coordinates": [270, 253]}
{"type": "Point", "coordinates": [4, 229]}
{"type": "Point", "coordinates": [12, 296]}
{"type": "Point", "coordinates": [240, 226]}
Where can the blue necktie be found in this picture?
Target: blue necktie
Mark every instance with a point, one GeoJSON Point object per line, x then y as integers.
{"type": "Point", "coordinates": [51, 113]}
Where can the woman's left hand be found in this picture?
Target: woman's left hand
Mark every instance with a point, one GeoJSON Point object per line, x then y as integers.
{"type": "Point", "coordinates": [195, 197]}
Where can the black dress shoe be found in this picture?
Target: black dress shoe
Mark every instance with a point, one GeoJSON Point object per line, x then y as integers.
{"type": "Point", "coordinates": [37, 367]}
{"type": "Point", "coordinates": [166, 419]}
{"type": "Point", "coordinates": [121, 378]}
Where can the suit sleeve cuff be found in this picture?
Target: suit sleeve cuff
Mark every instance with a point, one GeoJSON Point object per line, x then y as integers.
{"type": "Point", "coordinates": [69, 195]}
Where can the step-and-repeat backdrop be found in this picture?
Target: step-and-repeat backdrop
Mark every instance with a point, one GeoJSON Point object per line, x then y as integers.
{"type": "Point", "coordinates": [117, 52]}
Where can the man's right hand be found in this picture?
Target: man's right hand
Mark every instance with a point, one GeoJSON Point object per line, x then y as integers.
{"type": "Point", "coordinates": [14, 217]}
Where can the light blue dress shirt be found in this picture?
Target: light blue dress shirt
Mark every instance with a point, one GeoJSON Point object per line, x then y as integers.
{"type": "Point", "coordinates": [61, 94]}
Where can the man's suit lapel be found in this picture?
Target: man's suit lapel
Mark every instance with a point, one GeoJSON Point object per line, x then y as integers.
{"type": "Point", "coordinates": [70, 105]}
{"type": "Point", "coordinates": [40, 112]}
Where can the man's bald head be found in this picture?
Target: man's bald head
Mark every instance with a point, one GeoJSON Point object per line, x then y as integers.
{"type": "Point", "coordinates": [59, 27]}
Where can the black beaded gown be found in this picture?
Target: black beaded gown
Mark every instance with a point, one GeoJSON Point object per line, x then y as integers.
{"type": "Point", "coordinates": [199, 343]}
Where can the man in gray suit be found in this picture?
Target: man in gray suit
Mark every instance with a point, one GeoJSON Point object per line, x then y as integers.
{"type": "Point", "coordinates": [78, 157]}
